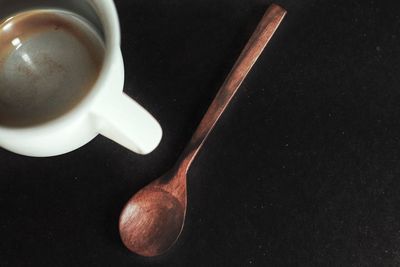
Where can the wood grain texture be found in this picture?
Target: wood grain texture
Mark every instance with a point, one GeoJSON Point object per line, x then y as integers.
{"type": "Point", "coordinates": [153, 218]}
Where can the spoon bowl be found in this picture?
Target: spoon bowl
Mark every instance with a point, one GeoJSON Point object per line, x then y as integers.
{"type": "Point", "coordinates": [151, 221]}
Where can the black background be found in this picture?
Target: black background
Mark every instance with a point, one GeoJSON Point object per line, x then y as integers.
{"type": "Point", "coordinates": [302, 170]}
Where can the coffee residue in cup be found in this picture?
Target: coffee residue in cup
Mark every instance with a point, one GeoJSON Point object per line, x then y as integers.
{"type": "Point", "coordinates": [49, 61]}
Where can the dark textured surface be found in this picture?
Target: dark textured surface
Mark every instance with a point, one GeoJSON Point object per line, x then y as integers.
{"type": "Point", "coordinates": [302, 170]}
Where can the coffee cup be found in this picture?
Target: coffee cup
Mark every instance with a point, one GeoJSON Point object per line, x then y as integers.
{"type": "Point", "coordinates": [61, 79]}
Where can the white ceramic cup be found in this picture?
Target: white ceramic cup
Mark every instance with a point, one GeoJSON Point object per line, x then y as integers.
{"type": "Point", "coordinates": [105, 110]}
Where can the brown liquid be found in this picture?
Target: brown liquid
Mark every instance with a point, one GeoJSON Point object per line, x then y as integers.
{"type": "Point", "coordinates": [49, 61]}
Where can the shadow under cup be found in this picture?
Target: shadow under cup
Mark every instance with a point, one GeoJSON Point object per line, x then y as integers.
{"type": "Point", "coordinates": [51, 55]}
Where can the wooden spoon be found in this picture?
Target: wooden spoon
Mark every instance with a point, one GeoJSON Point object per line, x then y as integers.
{"type": "Point", "coordinates": [153, 218]}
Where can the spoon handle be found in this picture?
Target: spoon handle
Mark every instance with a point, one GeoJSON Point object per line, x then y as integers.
{"type": "Point", "coordinates": [260, 38]}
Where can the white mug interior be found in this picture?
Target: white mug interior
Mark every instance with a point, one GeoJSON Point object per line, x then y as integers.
{"type": "Point", "coordinates": [104, 110]}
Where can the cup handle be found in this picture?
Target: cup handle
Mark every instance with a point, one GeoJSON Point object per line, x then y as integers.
{"type": "Point", "coordinates": [127, 123]}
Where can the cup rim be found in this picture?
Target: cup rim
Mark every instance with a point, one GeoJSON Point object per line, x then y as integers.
{"type": "Point", "coordinates": [108, 16]}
